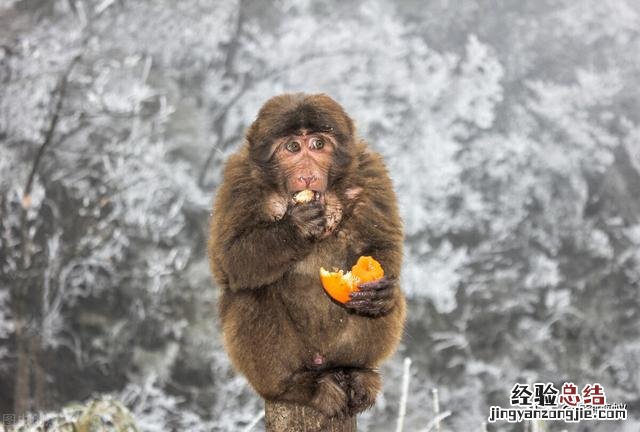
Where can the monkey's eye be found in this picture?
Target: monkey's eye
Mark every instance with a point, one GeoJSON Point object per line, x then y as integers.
{"type": "Point", "coordinates": [317, 143]}
{"type": "Point", "coordinates": [293, 146]}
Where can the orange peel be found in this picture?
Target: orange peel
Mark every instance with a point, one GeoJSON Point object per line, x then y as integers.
{"type": "Point", "coordinates": [339, 284]}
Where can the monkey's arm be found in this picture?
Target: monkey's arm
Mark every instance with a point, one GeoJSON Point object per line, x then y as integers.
{"type": "Point", "coordinates": [248, 250]}
{"type": "Point", "coordinates": [257, 257]}
{"type": "Point", "coordinates": [377, 221]}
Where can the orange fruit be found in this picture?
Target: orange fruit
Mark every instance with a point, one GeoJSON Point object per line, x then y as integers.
{"type": "Point", "coordinates": [367, 269]}
{"type": "Point", "coordinates": [339, 284]}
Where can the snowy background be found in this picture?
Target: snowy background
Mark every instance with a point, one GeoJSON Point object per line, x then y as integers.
{"type": "Point", "coordinates": [512, 130]}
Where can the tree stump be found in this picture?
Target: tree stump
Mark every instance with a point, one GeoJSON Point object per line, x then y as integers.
{"type": "Point", "coordinates": [285, 417]}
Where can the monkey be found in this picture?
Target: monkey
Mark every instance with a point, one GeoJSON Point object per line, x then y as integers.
{"type": "Point", "coordinates": [280, 329]}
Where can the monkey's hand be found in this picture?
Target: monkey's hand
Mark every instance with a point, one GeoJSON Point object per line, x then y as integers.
{"type": "Point", "coordinates": [309, 219]}
{"type": "Point", "coordinates": [375, 298]}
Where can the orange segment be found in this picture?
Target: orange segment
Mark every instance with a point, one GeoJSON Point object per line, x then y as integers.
{"type": "Point", "coordinates": [367, 269]}
{"type": "Point", "coordinates": [303, 196]}
{"type": "Point", "coordinates": [339, 284]}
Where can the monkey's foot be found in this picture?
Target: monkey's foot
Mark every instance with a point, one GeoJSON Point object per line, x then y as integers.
{"type": "Point", "coordinates": [330, 397]}
{"type": "Point", "coordinates": [342, 392]}
{"type": "Point", "coordinates": [363, 387]}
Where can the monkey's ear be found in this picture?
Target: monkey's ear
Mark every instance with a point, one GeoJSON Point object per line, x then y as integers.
{"type": "Point", "coordinates": [252, 136]}
{"type": "Point", "coordinates": [261, 149]}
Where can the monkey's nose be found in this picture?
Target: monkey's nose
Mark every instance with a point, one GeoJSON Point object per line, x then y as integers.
{"type": "Point", "coordinates": [307, 180]}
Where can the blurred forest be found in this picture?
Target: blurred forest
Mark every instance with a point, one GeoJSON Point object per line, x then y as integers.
{"type": "Point", "coordinates": [511, 128]}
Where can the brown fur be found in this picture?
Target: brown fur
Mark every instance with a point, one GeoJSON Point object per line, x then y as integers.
{"type": "Point", "coordinates": [281, 330]}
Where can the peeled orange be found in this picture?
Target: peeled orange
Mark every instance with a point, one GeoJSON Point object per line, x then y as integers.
{"type": "Point", "coordinates": [339, 284]}
{"type": "Point", "coordinates": [304, 196]}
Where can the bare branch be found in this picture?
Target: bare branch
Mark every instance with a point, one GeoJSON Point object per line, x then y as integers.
{"type": "Point", "coordinates": [406, 375]}
{"type": "Point", "coordinates": [434, 424]}
{"type": "Point", "coordinates": [229, 66]}
{"type": "Point", "coordinates": [61, 89]}
{"type": "Point", "coordinates": [254, 422]}
{"type": "Point", "coordinates": [234, 43]}
{"type": "Point", "coordinates": [219, 121]}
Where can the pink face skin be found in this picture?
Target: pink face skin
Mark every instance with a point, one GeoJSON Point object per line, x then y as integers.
{"type": "Point", "coordinates": [305, 159]}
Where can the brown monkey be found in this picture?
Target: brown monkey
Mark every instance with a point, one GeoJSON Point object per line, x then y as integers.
{"type": "Point", "coordinates": [281, 330]}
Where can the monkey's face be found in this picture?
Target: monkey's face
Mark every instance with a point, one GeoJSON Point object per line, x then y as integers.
{"type": "Point", "coordinates": [300, 142]}
{"type": "Point", "coordinates": [304, 160]}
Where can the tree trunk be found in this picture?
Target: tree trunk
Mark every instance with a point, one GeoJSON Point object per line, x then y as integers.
{"type": "Point", "coordinates": [285, 417]}
{"type": "Point", "coordinates": [21, 382]}
{"type": "Point", "coordinates": [39, 375]}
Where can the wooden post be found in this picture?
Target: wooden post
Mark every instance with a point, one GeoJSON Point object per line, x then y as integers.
{"type": "Point", "coordinates": [285, 417]}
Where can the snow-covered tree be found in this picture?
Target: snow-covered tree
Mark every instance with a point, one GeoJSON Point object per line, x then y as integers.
{"type": "Point", "coordinates": [514, 150]}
